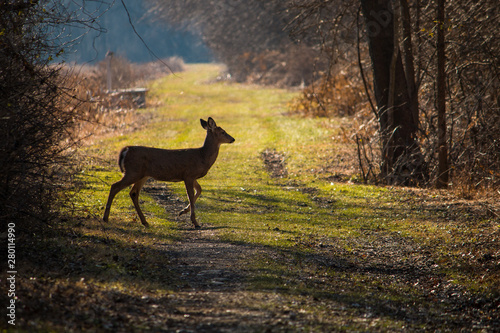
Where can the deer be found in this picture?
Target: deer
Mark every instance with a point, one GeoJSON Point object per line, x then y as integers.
{"type": "Point", "coordinates": [139, 163]}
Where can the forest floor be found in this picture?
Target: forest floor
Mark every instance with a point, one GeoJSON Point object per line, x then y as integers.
{"type": "Point", "coordinates": [290, 242]}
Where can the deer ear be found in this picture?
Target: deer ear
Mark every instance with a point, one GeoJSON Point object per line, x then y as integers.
{"type": "Point", "coordinates": [211, 123]}
{"type": "Point", "coordinates": [204, 124]}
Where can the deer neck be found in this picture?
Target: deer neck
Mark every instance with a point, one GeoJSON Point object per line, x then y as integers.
{"type": "Point", "coordinates": [210, 149]}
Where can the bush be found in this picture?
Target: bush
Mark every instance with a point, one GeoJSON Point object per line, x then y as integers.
{"type": "Point", "coordinates": [340, 93]}
{"type": "Point", "coordinates": [125, 74]}
{"type": "Point", "coordinates": [35, 112]}
{"type": "Point", "coordinates": [294, 67]}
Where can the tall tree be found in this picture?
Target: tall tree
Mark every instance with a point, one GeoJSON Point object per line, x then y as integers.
{"type": "Point", "coordinates": [443, 169]}
{"type": "Point", "coordinates": [403, 162]}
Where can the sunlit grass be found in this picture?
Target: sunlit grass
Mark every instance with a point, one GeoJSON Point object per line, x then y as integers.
{"type": "Point", "coordinates": [238, 193]}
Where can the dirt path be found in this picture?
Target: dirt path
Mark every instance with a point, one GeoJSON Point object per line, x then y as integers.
{"type": "Point", "coordinates": [202, 261]}
{"type": "Point", "coordinates": [205, 263]}
{"type": "Point", "coordinates": [210, 295]}
{"type": "Point", "coordinates": [384, 276]}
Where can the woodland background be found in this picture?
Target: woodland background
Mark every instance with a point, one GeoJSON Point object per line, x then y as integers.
{"type": "Point", "coordinates": [404, 95]}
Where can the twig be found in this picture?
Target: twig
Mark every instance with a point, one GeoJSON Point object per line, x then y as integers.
{"type": "Point", "coordinates": [142, 40]}
{"type": "Point", "coordinates": [358, 139]}
{"type": "Point", "coordinates": [362, 71]}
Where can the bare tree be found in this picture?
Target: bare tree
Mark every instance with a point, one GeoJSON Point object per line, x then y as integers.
{"type": "Point", "coordinates": [415, 136]}
{"type": "Point", "coordinates": [403, 162]}
{"type": "Point", "coordinates": [443, 170]}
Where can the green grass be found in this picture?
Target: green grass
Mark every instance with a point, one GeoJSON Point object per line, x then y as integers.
{"type": "Point", "coordinates": [238, 193]}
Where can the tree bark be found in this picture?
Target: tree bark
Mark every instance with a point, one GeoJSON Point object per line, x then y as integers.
{"type": "Point", "coordinates": [409, 60]}
{"type": "Point", "coordinates": [443, 168]}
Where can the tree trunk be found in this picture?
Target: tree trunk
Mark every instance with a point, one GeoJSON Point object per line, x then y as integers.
{"type": "Point", "coordinates": [402, 161]}
{"type": "Point", "coordinates": [443, 169]}
{"type": "Point", "coordinates": [409, 60]}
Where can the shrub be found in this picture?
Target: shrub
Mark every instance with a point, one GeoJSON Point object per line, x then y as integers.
{"type": "Point", "coordinates": [125, 74]}
{"type": "Point", "coordinates": [35, 112]}
{"type": "Point", "coordinates": [340, 93]}
{"type": "Point", "coordinates": [294, 67]}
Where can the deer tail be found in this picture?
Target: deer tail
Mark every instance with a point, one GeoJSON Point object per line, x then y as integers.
{"type": "Point", "coordinates": [121, 158]}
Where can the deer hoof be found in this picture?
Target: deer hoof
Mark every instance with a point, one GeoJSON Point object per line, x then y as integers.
{"type": "Point", "coordinates": [197, 227]}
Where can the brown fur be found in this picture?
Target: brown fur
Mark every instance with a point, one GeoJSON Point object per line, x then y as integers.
{"type": "Point", "coordinates": [174, 165]}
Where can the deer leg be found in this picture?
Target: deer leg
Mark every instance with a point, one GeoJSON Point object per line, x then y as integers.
{"type": "Point", "coordinates": [191, 196]}
{"type": "Point", "coordinates": [115, 188]}
{"type": "Point", "coordinates": [134, 194]}
{"type": "Point", "coordinates": [197, 188]}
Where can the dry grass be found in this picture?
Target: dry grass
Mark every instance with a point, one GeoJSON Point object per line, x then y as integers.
{"type": "Point", "coordinates": [338, 94]}
{"type": "Point", "coordinates": [296, 67]}
{"type": "Point", "coordinates": [102, 113]}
